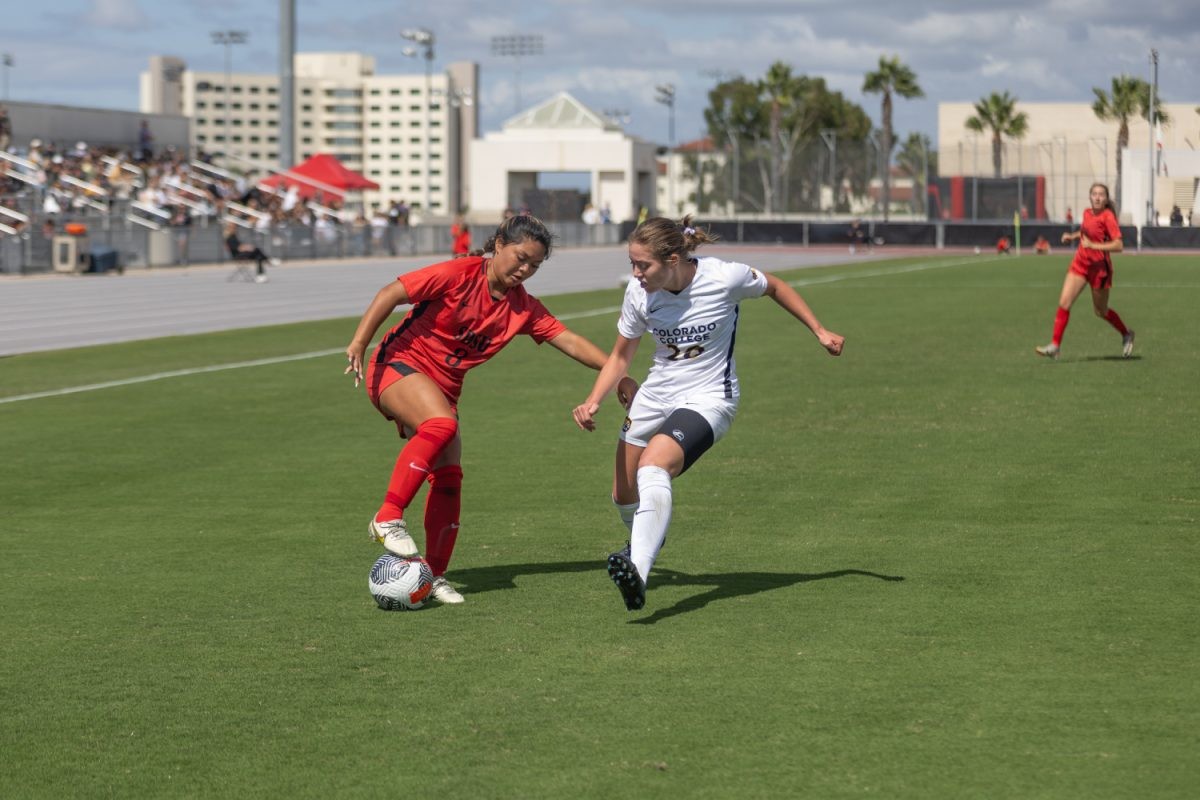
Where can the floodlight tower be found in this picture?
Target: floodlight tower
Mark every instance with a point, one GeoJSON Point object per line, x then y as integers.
{"type": "Point", "coordinates": [519, 45]}
{"type": "Point", "coordinates": [228, 39]}
{"type": "Point", "coordinates": [424, 38]}
{"type": "Point", "coordinates": [8, 62]}
{"type": "Point", "coordinates": [666, 96]}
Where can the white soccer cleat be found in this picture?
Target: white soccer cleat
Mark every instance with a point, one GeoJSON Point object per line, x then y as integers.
{"type": "Point", "coordinates": [443, 592]}
{"type": "Point", "coordinates": [1127, 344]}
{"type": "Point", "coordinates": [393, 535]}
{"type": "Point", "coordinates": [1047, 350]}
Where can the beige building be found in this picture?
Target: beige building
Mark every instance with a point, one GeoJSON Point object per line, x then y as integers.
{"type": "Point", "coordinates": [1071, 148]}
{"type": "Point", "coordinates": [408, 133]}
{"type": "Point", "coordinates": [565, 136]}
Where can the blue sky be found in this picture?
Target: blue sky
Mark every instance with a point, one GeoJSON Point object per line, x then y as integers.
{"type": "Point", "coordinates": [612, 54]}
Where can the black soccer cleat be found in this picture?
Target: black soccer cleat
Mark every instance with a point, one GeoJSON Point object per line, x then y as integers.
{"type": "Point", "coordinates": [625, 575]}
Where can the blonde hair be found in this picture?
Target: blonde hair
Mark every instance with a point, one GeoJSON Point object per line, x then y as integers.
{"type": "Point", "coordinates": [664, 237]}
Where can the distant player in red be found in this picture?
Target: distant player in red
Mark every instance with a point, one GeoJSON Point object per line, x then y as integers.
{"type": "Point", "coordinates": [1099, 237]}
{"type": "Point", "coordinates": [464, 312]}
{"type": "Point", "coordinates": [461, 241]}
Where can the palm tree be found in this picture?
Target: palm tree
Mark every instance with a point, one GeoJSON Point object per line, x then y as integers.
{"type": "Point", "coordinates": [1128, 98]}
{"type": "Point", "coordinates": [892, 78]}
{"type": "Point", "coordinates": [998, 114]}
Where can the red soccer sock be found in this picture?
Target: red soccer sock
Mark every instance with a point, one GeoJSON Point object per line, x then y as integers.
{"type": "Point", "coordinates": [412, 466]}
{"type": "Point", "coordinates": [442, 506]}
{"type": "Point", "coordinates": [1114, 319]}
{"type": "Point", "coordinates": [1060, 325]}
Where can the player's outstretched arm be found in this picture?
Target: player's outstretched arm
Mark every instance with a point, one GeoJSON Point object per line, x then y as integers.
{"type": "Point", "coordinates": [614, 374]}
{"type": "Point", "coordinates": [791, 301]}
{"type": "Point", "coordinates": [384, 303]}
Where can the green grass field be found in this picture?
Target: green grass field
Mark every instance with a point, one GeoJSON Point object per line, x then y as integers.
{"type": "Point", "coordinates": [936, 567]}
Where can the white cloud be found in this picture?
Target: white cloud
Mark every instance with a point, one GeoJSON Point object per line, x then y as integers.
{"type": "Point", "coordinates": [117, 15]}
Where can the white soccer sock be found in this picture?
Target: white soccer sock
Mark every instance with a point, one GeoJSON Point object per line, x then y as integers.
{"type": "Point", "coordinates": [652, 519]}
{"type": "Point", "coordinates": [626, 512]}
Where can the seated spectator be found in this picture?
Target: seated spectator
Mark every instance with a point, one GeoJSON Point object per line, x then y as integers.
{"type": "Point", "coordinates": [857, 235]}
{"type": "Point", "coordinates": [1176, 217]}
{"type": "Point", "coordinates": [240, 252]}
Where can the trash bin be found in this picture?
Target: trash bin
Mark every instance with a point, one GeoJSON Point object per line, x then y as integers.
{"type": "Point", "coordinates": [64, 253]}
{"type": "Point", "coordinates": [102, 259]}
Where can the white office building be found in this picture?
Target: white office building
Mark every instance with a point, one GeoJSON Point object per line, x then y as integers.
{"type": "Point", "coordinates": [408, 133]}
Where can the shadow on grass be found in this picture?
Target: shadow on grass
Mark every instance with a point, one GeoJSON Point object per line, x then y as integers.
{"type": "Point", "coordinates": [503, 576]}
{"type": "Point", "coordinates": [723, 585]}
{"type": "Point", "coordinates": [735, 584]}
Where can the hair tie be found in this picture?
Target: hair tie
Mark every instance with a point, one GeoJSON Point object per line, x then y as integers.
{"type": "Point", "coordinates": [689, 231]}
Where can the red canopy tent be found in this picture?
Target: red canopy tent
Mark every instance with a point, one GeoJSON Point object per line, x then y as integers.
{"type": "Point", "coordinates": [320, 169]}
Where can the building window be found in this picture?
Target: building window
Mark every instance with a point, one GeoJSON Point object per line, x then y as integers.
{"type": "Point", "coordinates": [306, 108]}
{"type": "Point", "coordinates": [375, 140]}
{"type": "Point", "coordinates": [255, 106]}
{"type": "Point", "coordinates": [394, 92]}
{"type": "Point", "coordinates": [306, 92]}
{"type": "Point", "coordinates": [255, 90]}
{"type": "Point", "coordinates": [376, 109]}
{"type": "Point", "coordinates": [374, 93]}
{"type": "Point", "coordinates": [340, 93]}
{"type": "Point", "coordinates": [272, 107]}
{"type": "Point", "coordinates": [201, 104]}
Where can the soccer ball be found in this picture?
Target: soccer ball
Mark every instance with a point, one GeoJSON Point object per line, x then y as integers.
{"type": "Point", "coordinates": [400, 584]}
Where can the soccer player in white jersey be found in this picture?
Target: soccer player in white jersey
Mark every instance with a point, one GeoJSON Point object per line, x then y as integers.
{"type": "Point", "coordinates": [689, 306]}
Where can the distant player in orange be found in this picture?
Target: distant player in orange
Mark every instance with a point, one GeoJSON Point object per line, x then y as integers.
{"type": "Point", "coordinates": [464, 312]}
{"type": "Point", "coordinates": [1099, 237]}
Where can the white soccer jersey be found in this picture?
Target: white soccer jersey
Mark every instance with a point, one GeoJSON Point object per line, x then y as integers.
{"type": "Point", "coordinates": [694, 330]}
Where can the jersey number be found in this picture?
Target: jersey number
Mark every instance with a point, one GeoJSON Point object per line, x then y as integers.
{"type": "Point", "coordinates": [455, 358]}
{"type": "Point", "coordinates": [677, 354]}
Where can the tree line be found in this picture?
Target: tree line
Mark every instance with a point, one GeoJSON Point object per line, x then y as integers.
{"type": "Point", "coordinates": [766, 125]}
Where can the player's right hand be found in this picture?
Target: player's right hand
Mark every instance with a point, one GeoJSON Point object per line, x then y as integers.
{"type": "Point", "coordinates": [354, 355]}
{"type": "Point", "coordinates": [585, 415]}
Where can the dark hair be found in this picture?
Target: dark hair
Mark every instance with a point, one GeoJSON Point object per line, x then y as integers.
{"type": "Point", "coordinates": [1108, 203]}
{"type": "Point", "coordinates": [666, 237]}
{"type": "Point", "coordinates": [517, 229]}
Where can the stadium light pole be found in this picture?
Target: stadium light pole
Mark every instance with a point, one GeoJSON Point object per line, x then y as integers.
{"type": "Point", "coordinates": [666, 96]}
{"type": "Point", "coordinates": [425, 39]}
{"type": "Point", "coordinates": [516, 46]}
{"type": "Point", "coordinates": [829, 137]}
{"type": "Point", "coordinates": [1151, 216]}
{"type": "Point", "coordinates": [1103, 145]}
{"type": "Point", "coordinates": [228, 39]}
{"type": "Point", "coordinates": [8, 62]}
{"type": "Point", "coordinates": [726, 117]}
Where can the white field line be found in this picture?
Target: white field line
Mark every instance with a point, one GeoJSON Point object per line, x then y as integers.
{"type": "Point", "coordinates": [262, 362]}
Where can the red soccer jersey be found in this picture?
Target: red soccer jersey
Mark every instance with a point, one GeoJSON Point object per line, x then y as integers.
{"type": "Point", "coordinates": [1100, 227]}
{"type": "Point", "coordinates": [455, 323]}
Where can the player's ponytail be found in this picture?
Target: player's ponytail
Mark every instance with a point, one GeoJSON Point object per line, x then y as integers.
{"type": "Point", "coordinates": [664, 237]}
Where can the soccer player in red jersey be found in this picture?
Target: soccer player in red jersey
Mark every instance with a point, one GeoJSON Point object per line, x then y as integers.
{"type": "Point", "coordinates": [1099, 237]}
{"type": "Point", "coordinates": [464, 312]}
